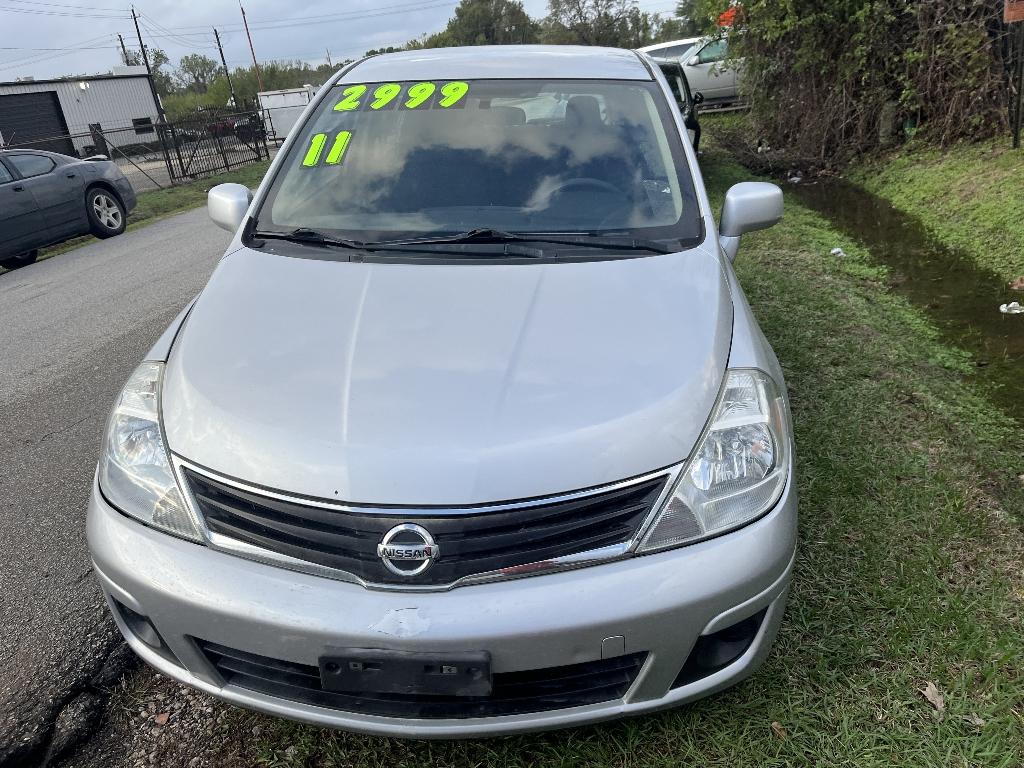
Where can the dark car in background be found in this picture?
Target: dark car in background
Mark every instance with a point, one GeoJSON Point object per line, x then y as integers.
{"type": "Point", "coordinates": [249, 128]}
{"type": "Point", "coordinates": [687, 100]}
{"type": "Point", "coordinates": [46, 198]}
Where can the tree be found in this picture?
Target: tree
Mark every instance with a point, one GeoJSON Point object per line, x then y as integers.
{"type": "Point", "coordinates": [616, 23]}
{"type": "Point", "coordinates": [483, 22]}
{"type": "Point", "coordinates": [693, 18]}
{"type": "Point", "coordinates": [490, 22]}
{"type": "Point", "coordinates": [385, 49]}
{"type": "Point", "coordinates": [830, 80]}
{"type": "Point", "coordinates": [195, 72]}
{"type": "Point", "coordinates": [158, 61]}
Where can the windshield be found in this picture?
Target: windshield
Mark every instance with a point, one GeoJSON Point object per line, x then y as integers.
{"type": "Point", "coordinates": [379, 161]}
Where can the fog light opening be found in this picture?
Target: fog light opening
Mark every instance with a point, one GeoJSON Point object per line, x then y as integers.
{"type": "Point", "coordinates": [719, 650]}
{"type": "Point", "coordinates": [142, 628]}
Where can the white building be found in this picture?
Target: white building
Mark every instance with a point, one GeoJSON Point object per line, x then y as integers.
{"type": "Point", "coordinates": [77, 116]}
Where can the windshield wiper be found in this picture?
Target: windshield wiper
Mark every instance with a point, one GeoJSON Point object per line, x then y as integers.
{"type": "Point", "coordinates": [311, 236]}
{"type": "Point", "coordinates": [483, 236]}
{"type": "Point", "coordinates": [317, 238]}
{"type": "Point", "coordinates": [473, 236]}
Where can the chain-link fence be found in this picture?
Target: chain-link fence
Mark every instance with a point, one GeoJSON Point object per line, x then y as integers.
{"type": "Point", "coordinates": [155, 156]}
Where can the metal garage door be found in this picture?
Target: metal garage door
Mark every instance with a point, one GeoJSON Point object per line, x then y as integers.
{"type": "Point", "coordinates": [29, 117]}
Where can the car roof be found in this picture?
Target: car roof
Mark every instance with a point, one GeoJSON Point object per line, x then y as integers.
{"type": "Point", "coordinates": [670, 44]}
{"type": "Point", "coordinates": [490, 62]}
{"type": "Point", "coordinates": [30, 151]}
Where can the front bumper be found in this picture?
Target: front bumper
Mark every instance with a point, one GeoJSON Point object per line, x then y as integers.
{"type": "Point", "coordinates": [127, 194]}
{"type": "Point", "coordinates": [659, 604]}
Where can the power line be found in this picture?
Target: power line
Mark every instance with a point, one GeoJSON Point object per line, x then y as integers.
{"type": "Point", "coordinates": [25, 61]}
{"type": "Point", "coordinates": [285, 24]}
{"type": "Point", "coordinates": [65, 48]}
{"type": "Point", "coordinates": [384, 10]}
{"type": "Point", "coordinates": [31, 62]}
{"type": "Point", "coordinates": [64, 5]}
{"type": "Point", "coordinates": [188, 45]}
{"type": "Point", "coordinates": [167, 30]}
{"type": "Point", "coordinates": [90, 15]}
{"type": "Point", "coordinates": [182, 40]}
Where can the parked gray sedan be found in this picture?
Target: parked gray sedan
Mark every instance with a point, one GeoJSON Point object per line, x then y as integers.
{"type": "Point", "coordinates": [46, 198]}
{"type": "Point", "coordinates": [472, 430]}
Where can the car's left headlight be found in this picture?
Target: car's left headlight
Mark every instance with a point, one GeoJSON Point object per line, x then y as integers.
{"type": "Point", "coordinates": [736, 472]}
{"type": "Point", "coordinates": [135, 472]}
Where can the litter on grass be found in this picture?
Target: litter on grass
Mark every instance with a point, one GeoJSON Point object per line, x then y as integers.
{"type": "Point", "coordinates": [837, 252]}
{"type": "Point", "coordinates": [1013, 308]}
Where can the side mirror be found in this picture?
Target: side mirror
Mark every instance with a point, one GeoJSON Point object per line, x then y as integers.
{"type": "Point", "coordinates": [749, 206]}
{"type": "Point", "coordinates": [693, 61]}
{"type": "Point", "coordinates": [227, 204]}
{"type": "Point", "coordinates": [698, 98]}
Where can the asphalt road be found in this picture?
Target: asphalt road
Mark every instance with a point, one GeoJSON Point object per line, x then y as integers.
{"type": "Point", "coordinates": [71, 330]}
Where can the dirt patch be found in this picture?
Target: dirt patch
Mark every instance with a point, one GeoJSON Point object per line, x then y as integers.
{"type": "Point", "coordinates": [154, 721]}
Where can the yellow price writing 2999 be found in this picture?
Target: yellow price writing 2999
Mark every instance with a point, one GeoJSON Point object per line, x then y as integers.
{"type": "Point", "coordinates": [425, 95]}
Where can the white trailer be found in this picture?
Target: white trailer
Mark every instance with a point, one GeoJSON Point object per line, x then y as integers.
{"type": "Point", "coordinates": [281, 109]}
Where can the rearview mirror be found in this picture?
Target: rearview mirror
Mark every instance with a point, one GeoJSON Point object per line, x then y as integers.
{"type": "Point", "coordinates": [227, 204]}
{"type": "Point", "coordinates": [749, 206]}
{"type": "Point", "coordinates": [693, 62]}
{"type": "Point", "coordinates": [698, 98]}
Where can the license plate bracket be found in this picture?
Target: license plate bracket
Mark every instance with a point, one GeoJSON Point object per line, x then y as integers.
{"type": "Point", "coordinates": [372, 670]}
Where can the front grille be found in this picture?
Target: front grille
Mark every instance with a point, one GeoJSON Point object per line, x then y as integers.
{"type": "Point", "coordinates": [513, 693]}
{"type": "Point", "coordinates": [469, 542]}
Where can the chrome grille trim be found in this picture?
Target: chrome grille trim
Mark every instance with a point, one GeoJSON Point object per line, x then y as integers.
{"type": "Point", "coordinates": [249, 551]}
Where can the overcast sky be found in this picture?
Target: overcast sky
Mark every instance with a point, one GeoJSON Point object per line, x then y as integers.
{"type": "Point", "coordinates": [37, 35]}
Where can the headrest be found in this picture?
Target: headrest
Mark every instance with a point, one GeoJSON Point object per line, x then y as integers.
{"type": "Point", "coordinates": [583, 112]}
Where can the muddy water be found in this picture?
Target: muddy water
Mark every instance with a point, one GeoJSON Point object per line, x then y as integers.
{"type": "Point", "coordinates": [961, 298]}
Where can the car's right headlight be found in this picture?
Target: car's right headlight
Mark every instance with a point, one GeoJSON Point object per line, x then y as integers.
{"type": "Point", "coordinates": [135, 473]}
{"type": "Point", "coordinates": [736, 472]}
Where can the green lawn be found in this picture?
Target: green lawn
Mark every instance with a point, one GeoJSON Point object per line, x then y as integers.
{"type": "Point", "coordinates": [158, 203]}
{"type": "Point", "coordinates": [908, 570]}
{"type": "Point", "coordinates": [971, 196]}
{"type": "Point", "coordinates": [164, 202]}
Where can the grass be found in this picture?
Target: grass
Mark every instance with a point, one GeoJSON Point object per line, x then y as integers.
{"type": "Point", "coordinates": [970, 196]}
{"type": "Point", "coordinates": [908, 570]}
{"type": "Point", "coordinates": [160, 203]}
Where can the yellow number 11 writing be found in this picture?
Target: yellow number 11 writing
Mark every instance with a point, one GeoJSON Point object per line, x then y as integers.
{"type": "Point", "coordinates": [334, 155]}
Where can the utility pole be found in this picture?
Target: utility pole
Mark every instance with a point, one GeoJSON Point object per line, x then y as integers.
{"type": "Point", "coordinates": [1020, 86]}
{"type": "Point", "coordinates": [1013, 13]}
{"type": "Point", "coordinates": [161, 117]}
{"type": "Point", "coordinates": [124, 50]}
{"type": "Point", "coordinates": [259, 75]}
{"type": "Point", "coordinates": [329, 58]}
{"type": "Point", "coordinates": [227, 73]}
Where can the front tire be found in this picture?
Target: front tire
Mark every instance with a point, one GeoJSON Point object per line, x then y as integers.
{"type": "Point", "coordinates": [22, 260]}
{"type": "Point", "coordinates": [107, 217]}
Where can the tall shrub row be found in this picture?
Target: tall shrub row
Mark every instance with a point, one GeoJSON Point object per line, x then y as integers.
{"type": "Point", "coordinates": [832, 79]}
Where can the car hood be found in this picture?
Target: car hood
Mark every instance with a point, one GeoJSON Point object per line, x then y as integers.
{"type": "Point", "coordinates": [447, 384]}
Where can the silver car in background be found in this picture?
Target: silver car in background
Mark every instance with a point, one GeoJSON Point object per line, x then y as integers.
{"type": "Point", "coordinates": [472, 430]}
{"type": "Point", "coordinates": [711, 72]}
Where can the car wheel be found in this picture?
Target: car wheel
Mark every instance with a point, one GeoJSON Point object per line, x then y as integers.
{"type": "Point", "coordinates": [22, 260]}
{"type": "Point", "coordinates": [106, 214]}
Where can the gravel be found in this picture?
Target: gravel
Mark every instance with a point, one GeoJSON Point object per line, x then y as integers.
{"type": "Point", "coordinates": [154, 721]}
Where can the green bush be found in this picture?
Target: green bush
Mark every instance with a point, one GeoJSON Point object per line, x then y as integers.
{"type": "Point", "coordinates": [832, 79]}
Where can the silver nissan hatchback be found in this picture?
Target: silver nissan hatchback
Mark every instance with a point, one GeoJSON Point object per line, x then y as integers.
{"type": "Point", "coordinates": [472, 430]}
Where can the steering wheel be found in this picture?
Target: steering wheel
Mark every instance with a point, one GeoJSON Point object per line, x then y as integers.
{"type": "Point", "coordinates": [581, 184]}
